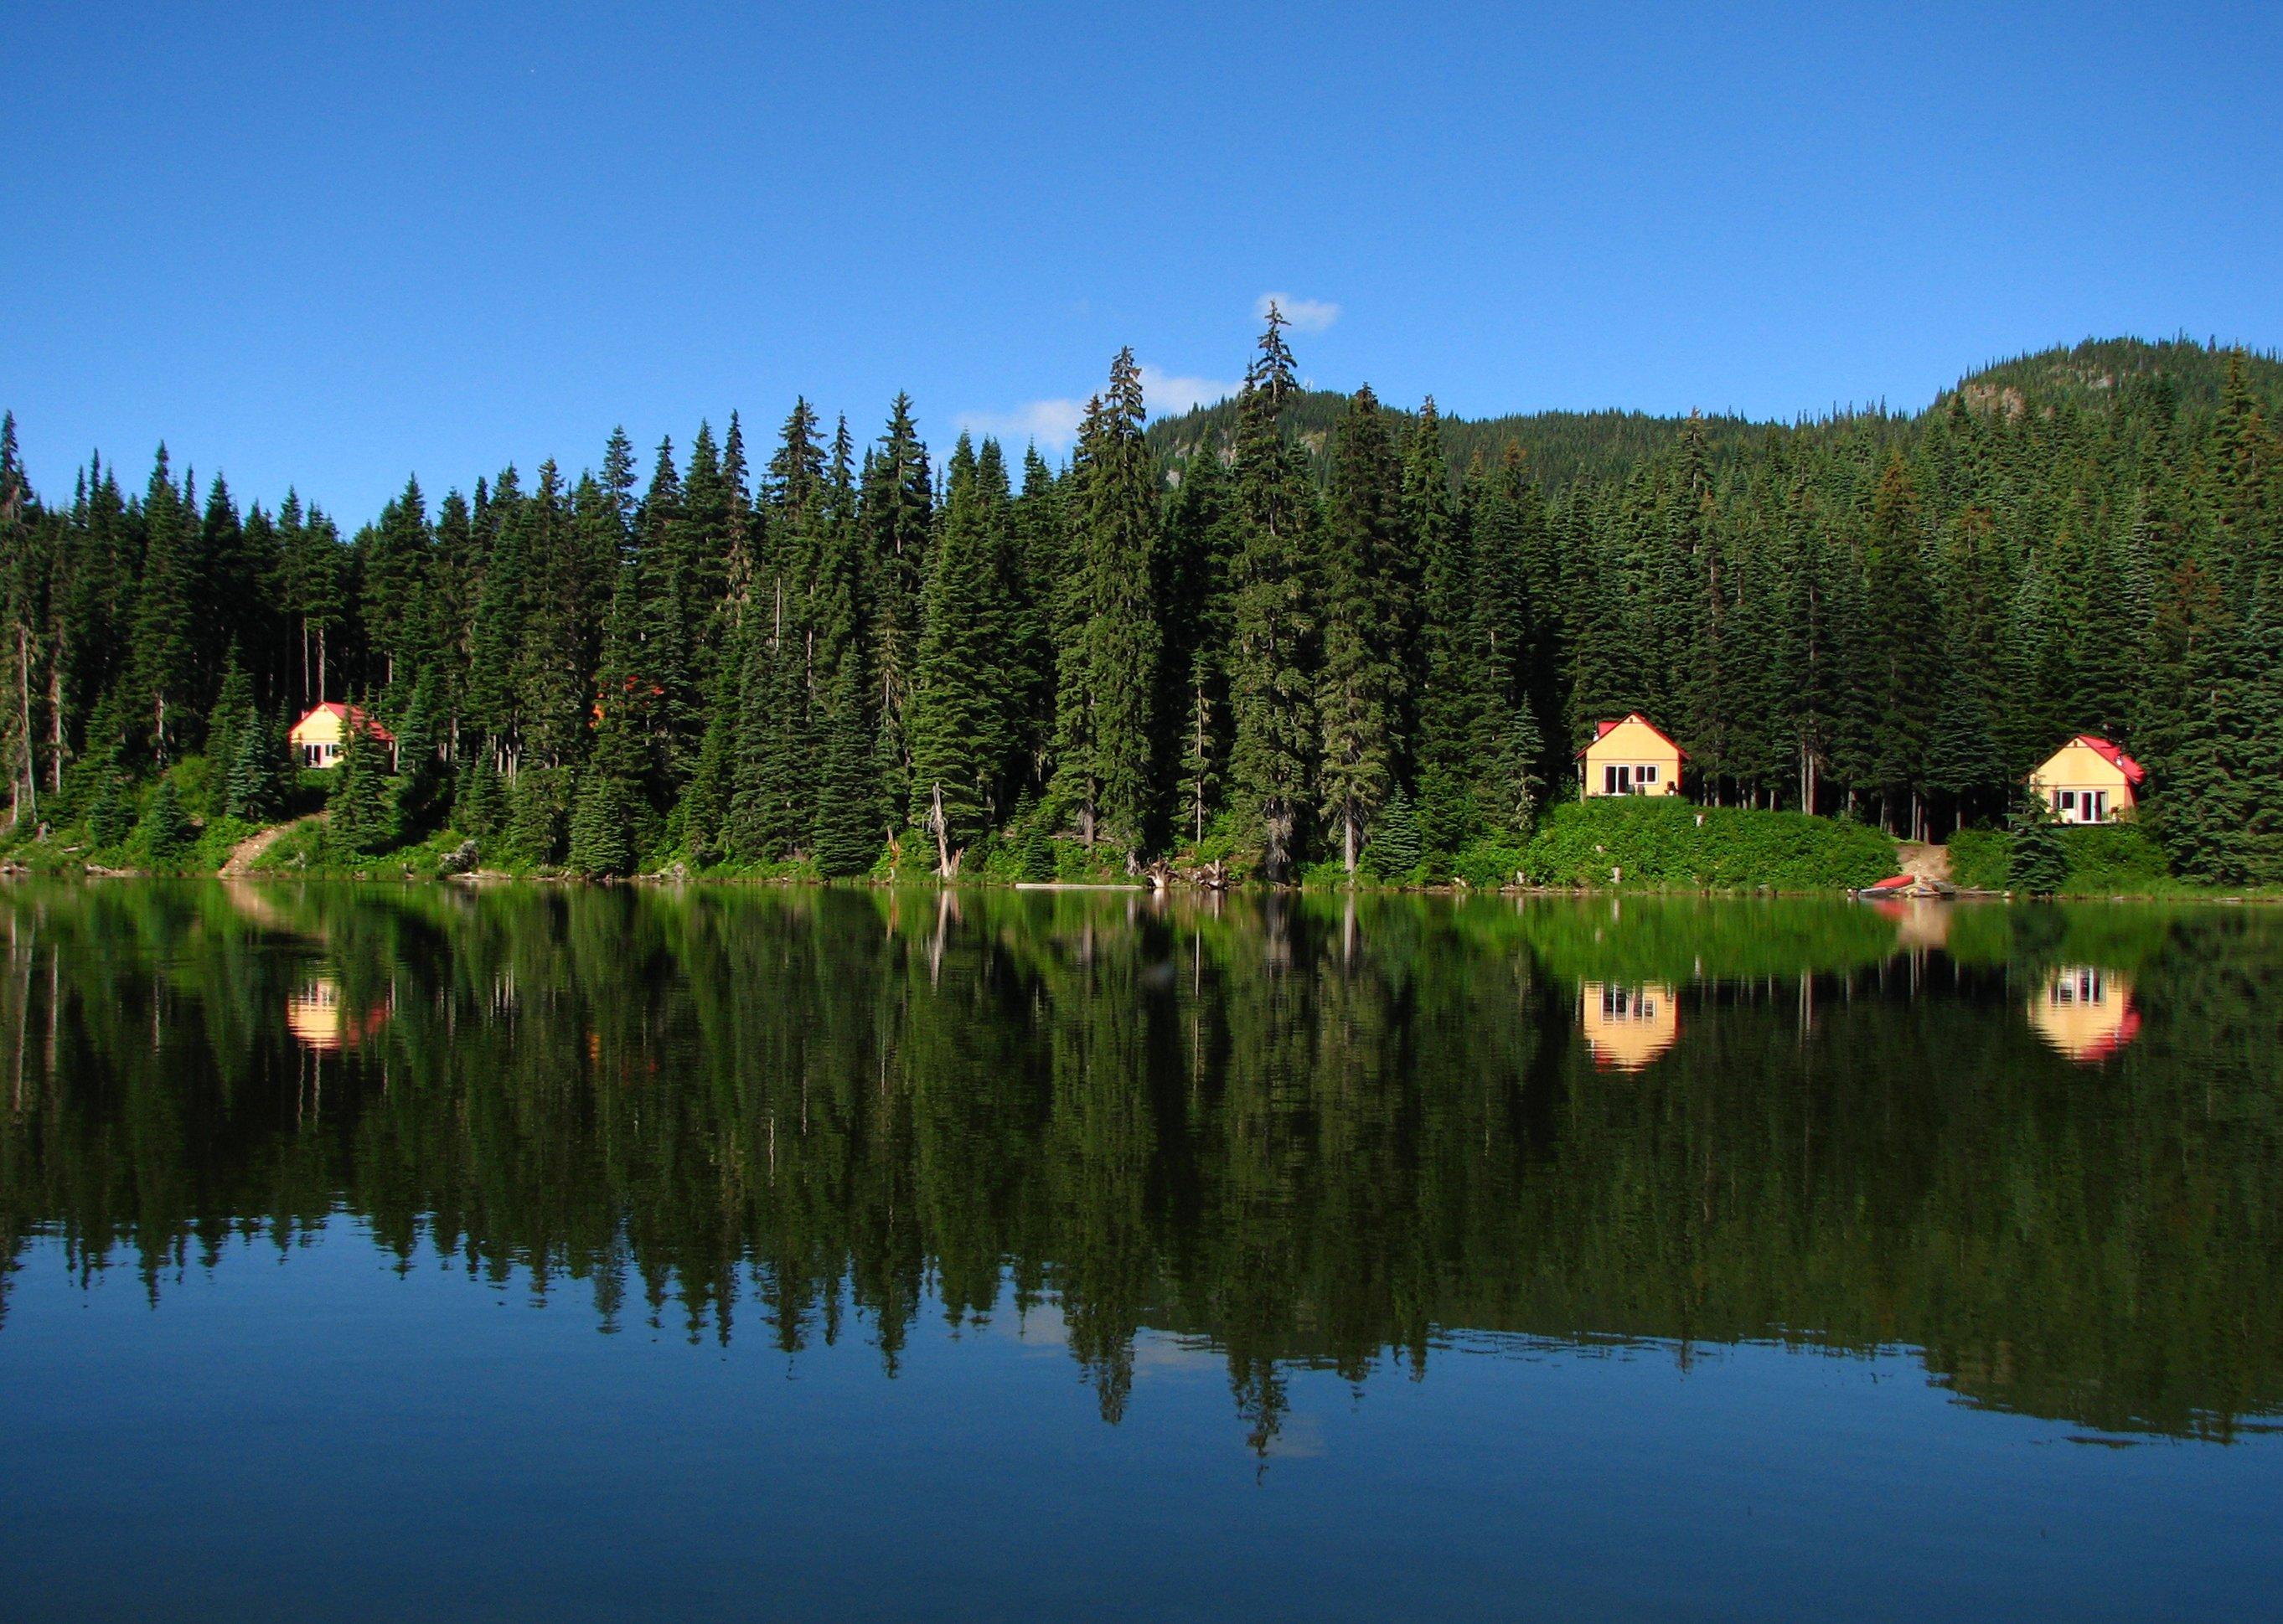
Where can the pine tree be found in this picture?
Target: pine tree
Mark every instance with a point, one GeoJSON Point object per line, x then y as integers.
{"type": "Point", "coordinates": [957, 721]}
{"type": "Point", "coordinates": [1460, 633]}
{"type": "Point", "coordinates": [896, 515]}
{"type": "Point", "coordinates": [1396, 849]}
{"type": "Point", "coordinates": [166, 628]}
{"type": "Point", "coordinates": [2039, 865]}
{"type": "Point", "coordinates": [480, 804]}
{"type": "Point", "coordinates": [418, 790]}
{"type": "Point", "coordinates": [1271, 690]}
{"type": "Point", "coordinates": [250, 791]}
{"type": "Point", "coordinates": [233, 713]}
{"type": "Point", "coordinates": [111, 819]}
{"type": "Point", "coordinates": [1049, 621]}
{"type": "Point", "coordinates": [848, 810]}
{"type": "Point", "coordinates": [396, 558]}
{"type": "Point", "coordinates": [1360, 681]}
{"type": "Point", "coordinates": [1903, 673]}
{"type": "Point", "coordinates": [165, 829]}
{"type": "Point", "coordinates": [600, 845]}
{"type": "Point", "coordinates": [1116, 525]}
{"type": "Point", "coordinates": [361, 818]}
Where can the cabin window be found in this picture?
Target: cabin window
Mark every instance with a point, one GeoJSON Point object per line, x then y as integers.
{"type": "Point", "coordinates": [1628, 1004]}
{"type": "Point", "coordinates": [2069, 800]}
{"type": "Point", "coordinates": [1649, 774]}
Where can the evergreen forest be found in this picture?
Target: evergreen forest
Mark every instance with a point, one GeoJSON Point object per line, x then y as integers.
{"type": "Point", "coordinates": [1295, 634]}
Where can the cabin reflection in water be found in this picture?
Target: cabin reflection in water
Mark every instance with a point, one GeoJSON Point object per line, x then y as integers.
{"type": "Point", "coordinates": [2085, 1012]}
{"type": "Point", "coordinates": [1627, 1027]}
{"type": "Point", "coordinates": [1919, 921]}
{"type": "Point", "coordinates": [321, 1021]}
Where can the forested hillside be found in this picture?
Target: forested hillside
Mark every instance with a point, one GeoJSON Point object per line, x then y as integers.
{"type": "Point", "coordinates": [1348, 634]}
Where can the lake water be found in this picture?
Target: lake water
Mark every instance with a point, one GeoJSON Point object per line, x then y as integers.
{"type": "Point", "coordinates": [540, 1253]}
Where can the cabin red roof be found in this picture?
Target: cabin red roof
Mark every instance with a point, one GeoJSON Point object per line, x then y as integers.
{"type": "Point", "coordinates": [353, 716]}
{"type": "Point", "coordinates": [1601, 731]}
{"type": "Point", "coordinates": [2114, 756]}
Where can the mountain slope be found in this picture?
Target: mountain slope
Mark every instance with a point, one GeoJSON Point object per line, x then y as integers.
{"type": "Point", "coordinates": [1563, 446]}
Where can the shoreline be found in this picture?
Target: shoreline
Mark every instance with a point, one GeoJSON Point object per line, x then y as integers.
{"type": "Point", "coordinates": [2236, 896]}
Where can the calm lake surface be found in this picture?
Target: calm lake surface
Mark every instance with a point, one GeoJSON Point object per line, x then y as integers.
{"type": "Point", "coordinates": [540, 1253]}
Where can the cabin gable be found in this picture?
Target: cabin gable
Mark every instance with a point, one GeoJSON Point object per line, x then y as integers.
{"type": "Point", "coordinates": [2088, 781]}
{"type": "Point", "coordinates": [1629, 756]}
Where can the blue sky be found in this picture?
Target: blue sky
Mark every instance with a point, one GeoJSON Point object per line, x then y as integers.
{"type": "Point", "coordinates": [306, 246]}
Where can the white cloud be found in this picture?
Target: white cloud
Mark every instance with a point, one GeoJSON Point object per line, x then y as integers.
{"type": "Point", "coordinates": [1049, 423]}
{"type": "Point", "coordinates": [1167, 395]}
{"type": "Point", "coordinates": [1306, 315]}
{"type": "Point", "coordinates": [1055, 423]}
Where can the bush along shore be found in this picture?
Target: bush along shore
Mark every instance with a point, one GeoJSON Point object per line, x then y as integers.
{"type": "Point", "coordinates": [328, 824]}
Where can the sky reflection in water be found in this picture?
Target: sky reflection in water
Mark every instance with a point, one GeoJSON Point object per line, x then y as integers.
{"type": "Point", "coordinates": [1086, 1253]}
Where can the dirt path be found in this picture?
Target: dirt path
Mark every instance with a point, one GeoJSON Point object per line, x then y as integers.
{"type": "Point", "coordinates": [243, 854]}
{"type": "Point", "coordinates": [1925, 862]}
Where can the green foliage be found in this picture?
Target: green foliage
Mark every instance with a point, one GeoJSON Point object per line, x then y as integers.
{"type": "Point", "coordinates": [1489, 862]}
{"type": "Point", "coordinates": [537, 829]}
{"type": "Point", "coordinates": [166, 830]}
{"type": "Point", "coordinates": [1654, 841]}
{"type": "Point", "coordinates": [2112, 858]}
{"type": "Point", "coordinates": [1034, 846]}
{"type": "Point", "coordinates": [2038, 866]}
{"type": "Point", "coordinates": [249, 791]}
{"type": "Point", "coordinates": [111, 819]}
{"type": "Point", "coordinates": [1979, 858]}
{"type": "Point", "coordinates": [1395, 851]}
{"type": "Point", "coordinates": [1270, 610]}
{"type": "Point", "coordinates": [361, 814]}
{"type": "Point", "coordinates": [2097, 860]}
{"type": "Point", "coordinates": [195, 781]}
{"type": "Point", "coordinates": [481, 799]}
{"type": "Point", "coordinates": [600, 845]}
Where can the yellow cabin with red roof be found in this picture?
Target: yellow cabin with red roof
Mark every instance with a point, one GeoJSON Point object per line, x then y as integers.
{"type": "Point", "coordinates": [2089, 781]}
{"type": "Point", "coordinates": [319, 738]}
{"type": "Point", "coordinates": [1629, 756]}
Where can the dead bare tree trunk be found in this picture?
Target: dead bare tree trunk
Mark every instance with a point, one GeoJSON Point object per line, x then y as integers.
{"type": "Point", "coordinates": [942, 837]}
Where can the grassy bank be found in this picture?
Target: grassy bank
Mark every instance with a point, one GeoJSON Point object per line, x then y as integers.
{"type": "Point", "coordinates": [2113, 859]}
{"type": "Point", "coordinates": [1660, 842]}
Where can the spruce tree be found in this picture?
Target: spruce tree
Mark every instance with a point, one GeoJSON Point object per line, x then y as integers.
{"type": "Point", "coordinates": [958, 723]}
{"type": "Point", "coordinates": [418, 790]}
{"type": "Point", "coordinates": [249, 789]}
{"type": "Point", "coordinates": [848, 801]}
{"type": "Point", "coordinates": [165, 829]}
{"type": "Point", "coordinates": [2038, 865]}
{"type": "Point", "coordinates": [601, 847]}
{"type": "Point", "coordinates": [1359, 682]}
{"type": "Point", "coordinates": [1116, 523]}
{"type": "Point", "coordinates": [1396, 848]}
{"type": "Point", "coordinates": [111, 819]}
{"type": "Point", "coordinates": [1459, 643]}
{"type": "Point", "coordinates": [1272, 623]}
{"type": "Point", "coordinates": [233, 713]}
{"type": "Point", "coordinates": [1903, 672]}
{"type": "Point", "coordinates": [166, 634]}
{"type": "Point", "coordinates": [896, 514]}
{"type": "Point", "coordinates": [361, 818]}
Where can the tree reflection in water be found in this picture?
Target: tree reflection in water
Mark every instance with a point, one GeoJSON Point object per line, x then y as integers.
{"type": "Point", "coordinates": [1296, 1132]}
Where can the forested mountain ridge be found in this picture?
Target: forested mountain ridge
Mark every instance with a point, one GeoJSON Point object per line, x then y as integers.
{"type": "Point", "coordinates": [1562, 446]}
{"type": "Point", "coordinates": [1352, 634]}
